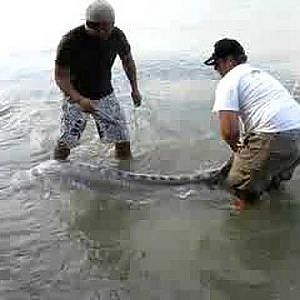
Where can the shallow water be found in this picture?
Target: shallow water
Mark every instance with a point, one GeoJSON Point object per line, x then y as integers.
{"type": "Point", "coordinates": [135, 241]}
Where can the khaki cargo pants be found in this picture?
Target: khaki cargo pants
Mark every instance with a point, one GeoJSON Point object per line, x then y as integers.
{"type": "Point", "coordinates": [264, 159]}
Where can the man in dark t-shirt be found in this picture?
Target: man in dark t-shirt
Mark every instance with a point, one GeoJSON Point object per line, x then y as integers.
{"type": "Point", "coordinates": [83, 64]}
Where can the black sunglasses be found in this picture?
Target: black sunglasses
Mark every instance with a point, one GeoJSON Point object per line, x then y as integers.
{"type": "Point", "coordinates": [98, 26]}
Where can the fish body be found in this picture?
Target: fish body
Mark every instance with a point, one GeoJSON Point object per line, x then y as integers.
{"type": "Point", "coordinates": [86, 175]}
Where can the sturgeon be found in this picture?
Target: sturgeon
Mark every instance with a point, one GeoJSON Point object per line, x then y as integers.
{"type": "Point", "coordinates": [86, 175]}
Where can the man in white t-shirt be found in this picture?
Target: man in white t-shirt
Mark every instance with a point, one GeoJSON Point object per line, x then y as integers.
{"type": "Point", "coordinates": [250, 99]}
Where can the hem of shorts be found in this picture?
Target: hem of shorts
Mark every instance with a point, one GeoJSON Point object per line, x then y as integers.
{"type": "Point", "coordinates": [106, 141]}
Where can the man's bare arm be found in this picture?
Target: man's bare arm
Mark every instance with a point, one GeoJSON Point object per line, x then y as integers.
{"type": "Point", "coordinates": [229, 128]}
{"type": "Point", "coordinates": [130, 70]}
{"type": "Point", "coordinates": [63, 80]}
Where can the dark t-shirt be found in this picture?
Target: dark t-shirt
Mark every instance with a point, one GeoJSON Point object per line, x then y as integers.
{"type": "Point", "coordinates": [90, 60]}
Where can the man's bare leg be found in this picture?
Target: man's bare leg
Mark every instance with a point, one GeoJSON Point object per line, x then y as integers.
{"type": "Point", "coordinates": [61, 152]}
{"type": "Point", "coordinates": [122, 150]}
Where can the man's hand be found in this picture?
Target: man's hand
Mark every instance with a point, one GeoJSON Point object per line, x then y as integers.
{"type": "Point", "coordinates": [85, 105]}
{"type": "Point", "coordinates": [136, 97]}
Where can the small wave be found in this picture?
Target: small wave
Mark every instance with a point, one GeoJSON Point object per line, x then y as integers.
{"type": "Point", "coordinates": [46, 168]}
{"type": "Point", "coordinates": [26, 179]}
{"type": "Point", "coordinates": [20, 181]}
{"type": "Point", "coordinates": [5, 110]}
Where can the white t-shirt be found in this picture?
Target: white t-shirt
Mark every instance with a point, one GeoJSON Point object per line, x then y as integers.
{"type": "Point", "coordinates": [263, 103]}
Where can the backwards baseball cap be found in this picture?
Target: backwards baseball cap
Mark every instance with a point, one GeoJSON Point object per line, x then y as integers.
{"type": "Point", "coordinates": [225, 48]}
{"type": "Point", "coordinates": [100, 11]}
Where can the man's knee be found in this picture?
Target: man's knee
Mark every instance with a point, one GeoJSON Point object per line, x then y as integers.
{"type": "Point", "coordinates": [243, 187]}
{"type": "Point", "coordinates": [234, 182]}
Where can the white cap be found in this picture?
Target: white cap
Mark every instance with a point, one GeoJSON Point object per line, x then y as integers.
{"type": "Point", "coordinates": [99, 11]}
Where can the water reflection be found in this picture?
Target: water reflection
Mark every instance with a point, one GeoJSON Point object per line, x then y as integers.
{"type": "Point", "coordinates": [262, 243]}
{"type": "Point", "coordinates": [186, 249]}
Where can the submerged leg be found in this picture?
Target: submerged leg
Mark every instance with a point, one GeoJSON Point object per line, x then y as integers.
{"type": "Point", "coordinates": [122, 150]}
{"type": "Point", "coordinates": [73, 122]}
{"type": "Point", "coordinates": [61, 151]}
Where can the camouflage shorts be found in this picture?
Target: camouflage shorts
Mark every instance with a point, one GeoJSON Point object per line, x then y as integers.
{"type": "Point", "coordinates": [261, 159]}
{"type": "Point", "coordinates": [109, 119]}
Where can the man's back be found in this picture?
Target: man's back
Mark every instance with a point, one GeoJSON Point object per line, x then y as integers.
{"type": "Point", "coordinates": [264, 105]}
